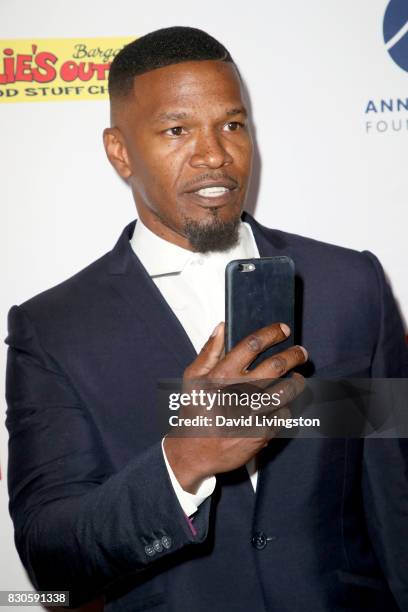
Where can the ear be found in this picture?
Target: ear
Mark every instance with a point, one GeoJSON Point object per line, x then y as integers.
{"type": "Point", "coordinates": [116, 151]}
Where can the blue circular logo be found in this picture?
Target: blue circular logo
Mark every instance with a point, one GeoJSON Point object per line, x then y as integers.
{"type": "Point", "coordinates": [396, 32]}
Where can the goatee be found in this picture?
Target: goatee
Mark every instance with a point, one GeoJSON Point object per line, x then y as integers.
{"type": "Point", "coordinates": [218, 235]}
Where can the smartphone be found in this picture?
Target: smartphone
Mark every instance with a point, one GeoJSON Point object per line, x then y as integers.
{"type": "Point", "coordinates": [259, 292]}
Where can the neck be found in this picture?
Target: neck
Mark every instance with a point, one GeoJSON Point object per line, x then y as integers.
{"type": "Point", "coordinates": [158, 227]}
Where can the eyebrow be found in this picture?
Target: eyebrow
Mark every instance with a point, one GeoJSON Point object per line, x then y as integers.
{"type": "Point", "coordinates": [180, 116]}
{"type": "Point", "coordinates": [237, 111]}
{"type": "Point", "coordinates": [163, 117]}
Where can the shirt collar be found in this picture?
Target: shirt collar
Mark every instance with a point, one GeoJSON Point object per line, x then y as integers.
{"type": "Point", "coordinates": [160, 257]}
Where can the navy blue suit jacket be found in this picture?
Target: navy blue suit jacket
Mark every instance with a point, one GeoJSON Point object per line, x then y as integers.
{"type": "Point", "coordinates": [93, 508]}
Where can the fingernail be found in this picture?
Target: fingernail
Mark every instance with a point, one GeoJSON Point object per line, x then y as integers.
{"type": "Point", "coordinates": [285, 328]}
{"type": "Point", "coordinates": [304, 351]}
{"type": "Point", "coordinates": [215, 330]}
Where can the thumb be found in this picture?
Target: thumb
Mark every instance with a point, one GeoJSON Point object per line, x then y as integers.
{"type": "Point", "coordinates": [209, 355]}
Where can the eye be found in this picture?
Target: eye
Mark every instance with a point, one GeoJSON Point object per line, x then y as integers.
{"type": "Point", "coordinates": [175, 131]}
{"type": "Point", "coordinates": [233, 126]}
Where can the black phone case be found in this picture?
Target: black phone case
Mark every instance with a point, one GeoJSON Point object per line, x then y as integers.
{"type": "Point", "coordinates": [255, 298]}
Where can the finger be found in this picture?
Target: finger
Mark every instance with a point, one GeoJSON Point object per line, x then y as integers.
{"type": "Point", "coordinates": [280, 364]}
{"type": "Point", "coordinates": [209, 355]}
{"type": "Point", "coordinates": [243, 354]}
{"type": "Point", "coordinates": [272, 432]}
{"type": "Point", "coordinates": [282, 392]}
{"type": "Point", "coordinates": [288, 389]}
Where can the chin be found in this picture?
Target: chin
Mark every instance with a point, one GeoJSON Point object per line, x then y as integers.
{"type": "Point", "coordinates": [214, 233]}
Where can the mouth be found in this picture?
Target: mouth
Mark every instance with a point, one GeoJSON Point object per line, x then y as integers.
{"type": "Point", "coordinates": [213, 195]}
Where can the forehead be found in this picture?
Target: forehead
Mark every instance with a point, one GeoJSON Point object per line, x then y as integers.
{"type": "Point", "coordinates": [187, 86]}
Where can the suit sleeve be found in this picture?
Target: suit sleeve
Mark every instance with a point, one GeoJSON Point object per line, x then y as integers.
{"type": "Point", "coordinates": [385, 467]}
{"type": "Point", "coordinates": [78, 525]}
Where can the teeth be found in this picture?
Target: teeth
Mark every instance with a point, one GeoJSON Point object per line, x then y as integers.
{"type": "Point", "coordinates": [212, 192]}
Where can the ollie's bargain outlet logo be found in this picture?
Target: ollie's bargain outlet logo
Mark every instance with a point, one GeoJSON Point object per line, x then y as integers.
{"type": "Point", "coordinates": [56, 69]}
{"type": "Point", "coordinates": [390, 114]}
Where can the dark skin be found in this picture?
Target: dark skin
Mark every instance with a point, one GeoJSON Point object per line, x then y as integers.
{"type": "Point", "coordinates": [182, 128]}
{"type": "Point", "coordinates": [182, 141]}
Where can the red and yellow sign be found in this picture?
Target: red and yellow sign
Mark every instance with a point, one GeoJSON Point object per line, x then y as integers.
{"type": "Point", "coordinates": [52, 69]}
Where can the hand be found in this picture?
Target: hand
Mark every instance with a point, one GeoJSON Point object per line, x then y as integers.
{"type": "Point", "coordinates": [193, 459]}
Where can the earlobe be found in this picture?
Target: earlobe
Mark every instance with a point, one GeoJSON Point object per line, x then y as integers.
{"type": "Point", "coordinates": [116, 151]}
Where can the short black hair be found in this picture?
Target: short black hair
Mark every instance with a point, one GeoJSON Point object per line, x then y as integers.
{"type": "Point", "coordinates": [159, 49]}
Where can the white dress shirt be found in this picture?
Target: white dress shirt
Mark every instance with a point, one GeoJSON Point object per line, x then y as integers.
{"type": "Point", "coordinates": [193, 284]}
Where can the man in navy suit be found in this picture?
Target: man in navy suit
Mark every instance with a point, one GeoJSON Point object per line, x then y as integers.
{"type": "Point", "coordinates": [100, 503]}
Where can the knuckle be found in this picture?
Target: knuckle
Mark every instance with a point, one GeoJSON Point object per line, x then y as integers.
{"type": "Point", "coordinates": [253, 343]}
{"type": "Point", "coordinates": [279, 364]}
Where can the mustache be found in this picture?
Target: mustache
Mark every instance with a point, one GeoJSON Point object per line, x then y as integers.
{"type": "Point", "coordinates": [209, 176]}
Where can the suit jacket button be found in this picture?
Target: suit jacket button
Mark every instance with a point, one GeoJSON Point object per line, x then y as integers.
{"type": "Point", "coordinates": [149, 550]}
{"type": "Point", "coordinates": [157, 545]}
{"type": "Point", "coordinates": [166, 541]}
{"type": "Point", "coordinates": [259, 540]}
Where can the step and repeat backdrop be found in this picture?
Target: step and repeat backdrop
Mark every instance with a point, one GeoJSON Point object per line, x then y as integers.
{"type": "Point", "coordinates": [328, 90]}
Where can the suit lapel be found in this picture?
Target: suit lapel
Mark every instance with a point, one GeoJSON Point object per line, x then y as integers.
{"type": "Point", "coordinates": [135, 286]}
{"type": "Point", "coordinates": [269, 242]}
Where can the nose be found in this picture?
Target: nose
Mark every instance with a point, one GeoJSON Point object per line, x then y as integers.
{"type": "Point", "coordinates": [209, 152]}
